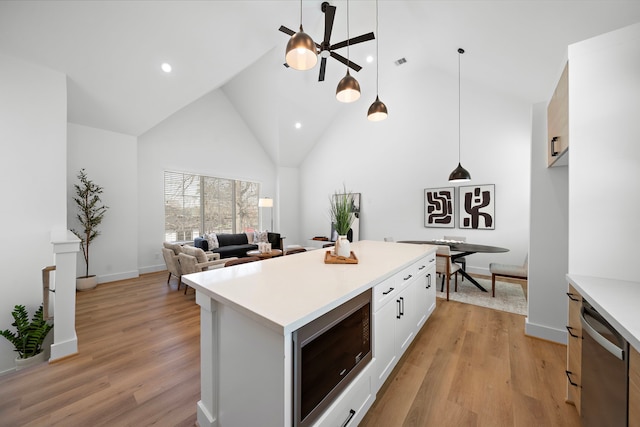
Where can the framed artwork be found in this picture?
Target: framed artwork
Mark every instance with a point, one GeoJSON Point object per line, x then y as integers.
{"type": "Point", "coordinates": [477, 207]}
{"type": "Point", "coordinates": [439, 207]}
{"type": "Point", "coordinates": [354, 233]}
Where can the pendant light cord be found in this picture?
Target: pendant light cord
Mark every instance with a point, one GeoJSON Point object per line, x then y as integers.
{"type": "Point", "coordinates": [377, 53]}
{"type": "Point", "coordinates": [348, 61]}
{"type": "Point", "coordinates": [460, 52]}
{"type": "Point", "coordinates": [301, 13]}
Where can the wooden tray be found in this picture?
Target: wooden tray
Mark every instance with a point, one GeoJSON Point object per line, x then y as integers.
{"type": "Point", "coordinates": [330, 258]}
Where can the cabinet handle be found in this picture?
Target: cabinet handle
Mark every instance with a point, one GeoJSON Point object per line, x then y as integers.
{"type": "Point", "coordinates": [422, 268]}
{"type": "Point", "coordinates": [351, 414]}
{"type": "Point", "coordinates": [429, 281]}
{"type": "Point", "coordinates": [571, 297]}
{"type": "Point", "coordinates": [398, 313]}
{"type": "Point", "coordinates": [402, 305]}
{"type": "Point", "coordinates": [569, 329]}
{"type": "Point", "coordinates": [408, 277]}
{"type": "Point", "coordinates": [569, 373]}
{"type": "Point", "coordinates": [388, 292]}
{"type": "Point", "coordinates": [553, 146]}
{"type": "Point", "coordinates": [432, 260]}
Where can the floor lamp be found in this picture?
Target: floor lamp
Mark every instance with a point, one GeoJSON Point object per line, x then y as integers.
{"type": "Point", "coordinates": [267, 202]}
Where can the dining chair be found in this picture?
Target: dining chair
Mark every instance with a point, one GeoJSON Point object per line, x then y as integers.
{"type": "Point", "coordinates": [508, 270]}
{"type": "Point", "coordinates": [460, 260]}
{"type": "Point", "coordinates": [445, 267]}
{"type": "Point", "coordinates": [243, 260]}
{"type": "Point", "coordinates": [292, 251]}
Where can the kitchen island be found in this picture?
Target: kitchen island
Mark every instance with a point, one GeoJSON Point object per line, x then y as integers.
{"type": "Point", "coordinates": [249, 312]}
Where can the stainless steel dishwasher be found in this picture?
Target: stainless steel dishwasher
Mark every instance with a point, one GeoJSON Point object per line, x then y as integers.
{"type": "Point", "coordinates": [605, 363]}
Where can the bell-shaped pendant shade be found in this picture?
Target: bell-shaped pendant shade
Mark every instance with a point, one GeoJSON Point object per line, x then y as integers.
{"type": "Point", "coordinates": [377, 110]}
{"type": "Point", "coordinates": [459, 174]}
{"type": "Point", "coordinates": [348, 89]}
{"type": "Point", "coordinates": [301, 51]}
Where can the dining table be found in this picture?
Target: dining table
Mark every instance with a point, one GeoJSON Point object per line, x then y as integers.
{"type": "Point", "coordinates": [461, 249]}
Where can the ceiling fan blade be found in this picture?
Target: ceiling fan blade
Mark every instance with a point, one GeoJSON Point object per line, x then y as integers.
{"type": "Point", "coordinates": [323, 66]}
{"type": "Point", "coordinates": [346, 62]}
{"type": "Point", "coordinates": [286, 30]}
{"type": "Point", "coordinates": [329, 15]}
{"type": "Point", "coordinates": [354, 40]}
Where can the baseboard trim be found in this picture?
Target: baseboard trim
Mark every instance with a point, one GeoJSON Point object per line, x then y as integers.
{"type": "Point", "coordinates": [545, 332]}
{"type": "Point", "coordinates": [118, 276]}
{"type": "Point", "coordinates": [152, 268]}
{"type": "Point", "coordinates": [64, 349]}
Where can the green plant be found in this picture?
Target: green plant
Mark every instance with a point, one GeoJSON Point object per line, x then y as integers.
{"type": "Point", "coordinates": [341, 211]}
{"type": "Point", "coordinates": [90, 213]}
{"type": "Point", "coordinates": [29, 336]}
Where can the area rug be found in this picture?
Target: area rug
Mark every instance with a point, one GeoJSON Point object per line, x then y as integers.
{"type": "Point", "coordinates": [509, 296]}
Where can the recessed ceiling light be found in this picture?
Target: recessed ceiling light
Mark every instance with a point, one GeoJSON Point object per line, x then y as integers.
{"type": "Point", "coordinates": [166, 67]}
{"type": "Point", "coordinates": [370, 59]}
{"type": "Point", "coordinates": [298, 125]}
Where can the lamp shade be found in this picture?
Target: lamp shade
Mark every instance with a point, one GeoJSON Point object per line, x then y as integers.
{"type": "Point", "coordinates": [348, 89]}
{"type": "Point", "coordinates": [301, 51]}
{"type": "Point", "coordinates": [459, 174]}
{"type": "Point", "coordinates": [377, 111]}
{"type": "Point", "coordinates": [265, 202]}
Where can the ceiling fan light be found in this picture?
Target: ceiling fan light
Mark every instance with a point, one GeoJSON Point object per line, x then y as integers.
{"type": "Point", "coordinates": [348, 89]}
{"type": "Point", "coordinates": [377, 110]}
{"type": "Point", "coordinates": [459, 174]}
{"type": "Point", "coordinates": [301, 51]}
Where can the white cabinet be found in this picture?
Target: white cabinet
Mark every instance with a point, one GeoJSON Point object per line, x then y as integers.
{"type": "Point", "coordinates": [425, 291]}
{"type": "Point", "coordinates": [402, 305]}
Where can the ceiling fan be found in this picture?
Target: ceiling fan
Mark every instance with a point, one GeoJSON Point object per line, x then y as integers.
{"type": "Point", "coordinates": [326, 49]}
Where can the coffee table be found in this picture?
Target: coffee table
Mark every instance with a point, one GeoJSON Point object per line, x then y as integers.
{"type": "Point", "coordinates": [264, 255]}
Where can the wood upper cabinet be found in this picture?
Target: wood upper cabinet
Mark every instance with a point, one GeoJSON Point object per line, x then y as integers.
{"type": "Point", "coordinates": [574, 348]}
{"type": "Point", "coordinates": [558, 122]}
{"type": "Point", "coordinates": [634, 388]}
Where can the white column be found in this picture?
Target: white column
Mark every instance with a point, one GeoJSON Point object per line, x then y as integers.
{"type": "Point", "coordinates": [207, 411]}
{"type": "Point", "coordinates": [65, 248]}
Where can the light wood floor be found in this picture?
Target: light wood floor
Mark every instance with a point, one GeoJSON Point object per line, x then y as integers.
{"type": "Point", "coordinates": [139, 365]}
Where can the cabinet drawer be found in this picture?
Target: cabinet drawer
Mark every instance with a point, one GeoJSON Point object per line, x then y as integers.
{"type": "Point", "coordinates": [349, 409]}
{"type": "Point", "coordinates": [385, 292]}
{"type": "Point", "coordinates": [634, 388]}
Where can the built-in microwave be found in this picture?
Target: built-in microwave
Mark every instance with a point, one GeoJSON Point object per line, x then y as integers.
{"type": "Point", "coordinates": [328, 353]}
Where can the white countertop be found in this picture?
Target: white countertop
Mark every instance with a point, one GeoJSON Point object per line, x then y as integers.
{"type": "Point", "coordinates": [287, 292]}
{"type": "Point", "coordinates": [618, 301]}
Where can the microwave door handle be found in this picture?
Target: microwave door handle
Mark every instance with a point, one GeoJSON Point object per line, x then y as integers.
{"type": "Point", "coordinates": [605, 343]}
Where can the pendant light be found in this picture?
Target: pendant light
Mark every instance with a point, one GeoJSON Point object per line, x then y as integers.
{"type": "Point", "coordinates": [459, 174]}
{"type": "Point", "coordinates": [377, 110]}
{"type": "Point", "coordinates": [348, 89]}
{"type": "Point", "coordinates": [301, 50]}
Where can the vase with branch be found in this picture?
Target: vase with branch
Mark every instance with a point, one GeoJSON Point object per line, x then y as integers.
{"type": "Point", "coordinates": [342, 216]}
{"type": "Point", "coordinates": [90, 214]}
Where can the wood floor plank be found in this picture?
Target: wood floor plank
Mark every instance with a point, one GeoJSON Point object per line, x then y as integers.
{"type": "Point", "coordinates": [139, 365]}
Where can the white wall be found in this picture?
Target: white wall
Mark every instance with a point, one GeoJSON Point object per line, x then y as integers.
{"type": "Point", "coordinates": [604, 173]}
{"type": "Point", "coordinates": [33, 116]}
{"type": "Point", "coordinates": [287, 214]}
{"type": "Point", "coordinates": [391, 162]}
{"type": "Point", "coordinates": [548, 257]}
{"type": "Point", "coordinates": [110, 160]}
{"type": "Point", "coordinates": [207, 137]}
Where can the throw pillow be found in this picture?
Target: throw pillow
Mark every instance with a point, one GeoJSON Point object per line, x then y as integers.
{"type": "Point", "coordinates": [260, 237]}
{"type": "Point", "coordinates": [212, 241]}
{"type": "Point", "coordinates": [176, 248]}
{"type": "Point", "coordinates": [195, 252]}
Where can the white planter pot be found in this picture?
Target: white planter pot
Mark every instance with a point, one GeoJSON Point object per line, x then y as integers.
{"type": "Point", "coordinates": [30, 361]}
{"type": "Point", "coordinates": [343, 247]}
{"type": "Point", "coordinates": [86, 283]}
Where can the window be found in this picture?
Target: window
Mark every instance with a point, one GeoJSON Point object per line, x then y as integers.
{"type": "Point", "coordinates": [196, 204]}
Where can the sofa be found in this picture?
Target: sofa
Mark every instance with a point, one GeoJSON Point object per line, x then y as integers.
{"type": "Point", "coordinates": [236, 245]}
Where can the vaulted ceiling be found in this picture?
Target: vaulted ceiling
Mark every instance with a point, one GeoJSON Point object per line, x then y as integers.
{"type": "Point", "coordinates": [111, 52]}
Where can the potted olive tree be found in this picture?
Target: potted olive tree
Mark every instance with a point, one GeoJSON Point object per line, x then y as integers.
{"type": "Point", "coordinates": [28, 337]}
{"type": "Point", "coordinates": [90, 214]}
{"type": "Point", "coordinates": [342, 217]}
